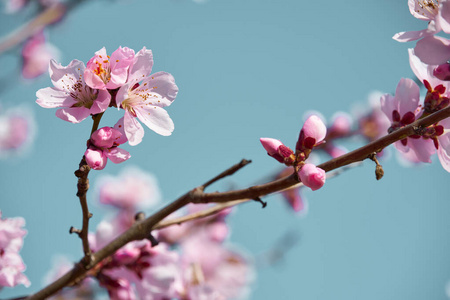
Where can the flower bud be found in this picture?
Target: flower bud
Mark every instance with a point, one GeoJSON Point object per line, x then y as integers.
{"type": "Point", "coordinates": [312, 176]}
{"type": "Point", "coordinates": [312, 133]}
{"type": "Point", "coordinates": [95, 159]}
{"type": "Point", "coordinates": [105, 137]}
{"type": "Point", "coordinates": [271, 146]}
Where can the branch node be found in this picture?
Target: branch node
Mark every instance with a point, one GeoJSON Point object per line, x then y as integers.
{"type": "Point", "coordinates": [74, 230]}
{"type": "Point", "coordinates": [140, 216]}
{"type": "Point", "coordinates": [379, 172]}
{"type": "Point", "coordinates": [419, 130]}
{"type": "Point", "coordinates": [264, 204]}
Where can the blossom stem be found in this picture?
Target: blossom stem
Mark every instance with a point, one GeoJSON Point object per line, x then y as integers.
{"type": "Point", "coordinates": [96, 118]}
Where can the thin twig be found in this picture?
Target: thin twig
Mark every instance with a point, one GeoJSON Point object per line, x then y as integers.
{"type": "Point", "coordinates": [228, 172]}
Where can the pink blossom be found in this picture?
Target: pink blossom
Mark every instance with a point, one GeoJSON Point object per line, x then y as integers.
{"type": "Point", "coordinates": [78, 101]}
{"type": "Point", "coordinates": [442, 72]}
{"type": "Point", "coordinates": [145, 100]}
{"type": "Point", "coordinates": [223, 272]}
{"type": "Point", "coordinates": [312, 134]}
{"type": "Point", "coordinates": [293, 196]}
{"type": "Point", "coordinates": [11, 241]}
{"type": "Point", "coordinates": [36, 55]}
{"type": "Point", "coordinates": [104, 72]}
{"type": "Point", "coordinates": [312, 176]}
{"type": "Point", "coordinates": [17, 130]}
{"type": "Point", "coordinates": [131, 189]}
{"type": "Point", "coordinates": [372, 123]}
{"type": "Point", "coordinates": [103, 144]}
{"type": "Point", "coordinates": [435, 12]}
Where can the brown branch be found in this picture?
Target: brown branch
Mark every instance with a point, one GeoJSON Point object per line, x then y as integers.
{"type": "Point", "coordinates": [141, 230]}
{"type": "Point", "coordinates": [83, 186]}
{"type": "Point", "coordinates": [228, 172]}
{"type": "Point", "coordinates": [48, 16]}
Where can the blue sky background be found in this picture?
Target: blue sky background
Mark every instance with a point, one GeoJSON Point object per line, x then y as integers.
{"type": "Point", "coordinates": [246, 69]}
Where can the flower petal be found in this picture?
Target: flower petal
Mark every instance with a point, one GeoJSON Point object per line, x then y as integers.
{"type": "Point", "coordinates": [73, 114]}
{"type": "Point", "coordinates": [159, 88]}
{"type": "Point", "coordinates": [142, 66]}
{"type": "Point", "coordinates": [117, 155]}
{"type": "Point", "coordinates": [133, 130]}
{"type": "Point", "coordinates": [64, 78]}
{"type": "Point", "coordinates": [101, 103]}
{"type": "Point", "coordinates": [50, 98]}
{"type": "Point", "coordinates": [156, 118]}
{"type": "Point", "coordinates": [433, 50]}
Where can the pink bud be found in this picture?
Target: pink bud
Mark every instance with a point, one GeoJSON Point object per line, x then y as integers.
{"type": "Point", "coordinates": [442, 72]}
{"type": "Point", "coordinates": [312, 176]}
{"type": "Point", "coordinates": [95, 159]}
{"type": "Point", "coordinates": [313, 131]}
{"type": "Point", "coordinates": [105, 137]}
{"type": "Point", "coordinates": [271, 146]}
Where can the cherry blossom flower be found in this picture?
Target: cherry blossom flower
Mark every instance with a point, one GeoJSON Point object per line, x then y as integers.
{"type": "Point", "coordinates": [145, 100]}
{"type": "Point", "coordinates": [78, 101]}
{"type": "Point", "coordinates": [103, 145]}
{"type": "Point", "coordinates": [104, 72]}
{"type": "Point", "coordinates": [36, 55]}
{"type": "Point", "coordinates": [11, 241]}
{"type": "Point", "coordinates": [403, 109]}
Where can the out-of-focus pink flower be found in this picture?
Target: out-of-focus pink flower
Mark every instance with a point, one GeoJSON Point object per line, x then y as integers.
{"type": "Point", "coordinates": [78, 100]}
{"type": "Point", "coordinates": [103, 144]}
{"type": "Point", "coordinates": [312, 134]}
{"type": "Point", "coordinates": [36, 55]}
{"type": "Point", "coordinates": [145, 100]}
{"type": "Point", "coordinates": [224, 273]}
{"type": "Point", "coordinates": [104, 72]}
{"type": "Point", "coordinates": [372, 123]}
{"type": "Point", "coordinates": [17, 130]}
{"type": "Point", "coordinates": [132, 189]}
{"type": "Point", "coordinates": [13, 6]}
{"type": "Point", "coordinates": [11, 241]}
{"type": "Point", "coordinates": [293, 196]}
{"type": "Point", "coordinates": [312, 176]}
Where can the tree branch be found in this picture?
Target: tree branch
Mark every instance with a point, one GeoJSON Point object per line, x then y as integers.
{"type": "Point", "coordinates": [141, 230]}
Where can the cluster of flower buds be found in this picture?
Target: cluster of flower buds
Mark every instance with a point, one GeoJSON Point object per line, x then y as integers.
{"type": "Point", "coordinates": [103, 145]}
{"type": "Point", "coordinates": [121, 80]}
{"type": "Point", "coordinates": [11, 241]}
{"type": "Point", "coordinates": [312, 135]}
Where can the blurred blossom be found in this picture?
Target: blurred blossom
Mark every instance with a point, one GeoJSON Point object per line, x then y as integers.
{"type": "Point", "coordinates": [11, 241]}
{"type": "Point", "coordinates": [13, 6]}
{"type": "Point", "coordinates": [36, 55]}
{"type": "Point", "coordinates": [17, 130]}
{"type": "Point", "coordinates": [372, 123]}
{"type": "Point", "coordinates": [131, 189]}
